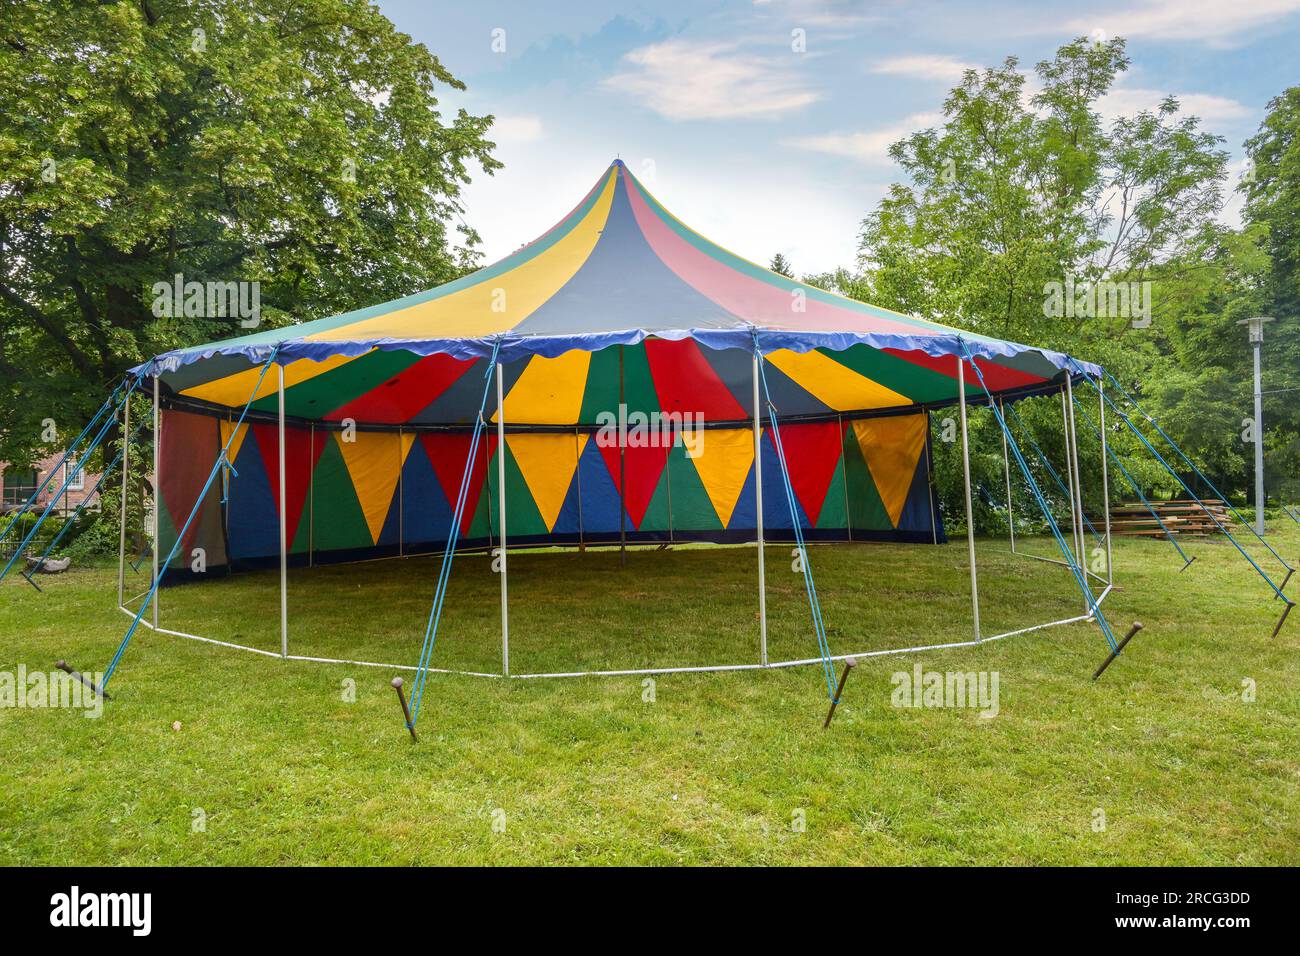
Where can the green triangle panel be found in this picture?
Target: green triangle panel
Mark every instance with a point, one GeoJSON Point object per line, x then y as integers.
{"type": "Point", "coordinates": [484, 523]}
{"type": "Point", "coordinates": [339, 521]}
{"type": "Point", "coordinates": [833, 513]}
{"type": "Point", "coordinates": [656, 515]}
{"type": "Point", "coordinates": [601, 393]}
{"type": "Point", "coordinates": [692, 507]}
{"type": "Point", "coordinates": [522, 515]}
{"type": "Point", "coordinates": [866, 510]}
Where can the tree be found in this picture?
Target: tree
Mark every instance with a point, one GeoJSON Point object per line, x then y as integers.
{"type": "Point", "coordinates": [1027, 216]}
{"type": "Point", "coordinates": [296, 144]}
{"type": "Point", "coordinates": [1017, 199]}
{"type": "Point", "coordinates": [782, 265]}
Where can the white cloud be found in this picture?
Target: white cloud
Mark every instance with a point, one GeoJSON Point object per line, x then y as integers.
{"type": "Point", "coordinates": [692, 80]}
{"type": "Point", "coordinates": [1126, 101]}
{"type": "Point", "coordinates": [869, 146]}
{"type": "Point", "coordinates": [1209, 20]}
{"type": "Point", "coordinates": [516, 129]}
{"type": "Point", "coordinates": [924, 66]}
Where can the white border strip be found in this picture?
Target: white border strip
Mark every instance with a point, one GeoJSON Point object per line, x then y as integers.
{"type": "Point", "coordinates": [705, 669]}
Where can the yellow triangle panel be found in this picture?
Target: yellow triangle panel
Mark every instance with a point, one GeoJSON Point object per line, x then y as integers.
{"type": "Point", "coordinates": [892, 446]}
{"type": "Point", "coordinates": [374, 462]}
{"type": "Point", "coordinates": [724, 466]}
{"type": "Point", "coordinates": [549, 390]}
{"type": "Point", "coordinates": [835, 385]}
{"type": "Point", "coordinates": [547, 462]}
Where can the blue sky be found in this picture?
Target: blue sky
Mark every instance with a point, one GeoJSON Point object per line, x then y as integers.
{"type": "Point", "coordinates": [765, 148]}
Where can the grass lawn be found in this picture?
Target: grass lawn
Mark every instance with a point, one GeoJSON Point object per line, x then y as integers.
{"type": "Point", "coordinates": [717, 768]}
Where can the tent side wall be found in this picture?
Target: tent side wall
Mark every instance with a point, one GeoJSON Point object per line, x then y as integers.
{"type": "Point", "coordinates": [356, 495]}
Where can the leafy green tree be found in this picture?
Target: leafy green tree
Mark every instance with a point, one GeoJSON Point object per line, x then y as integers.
{"type": "Point", "coordinates": [1024, 196]}
{"type": "Point", "coordinates": [782, 265]}
{"type": "Point", "coordinates": [1015, 193]}
{"type": "Point", "coordinates": [293, 143]}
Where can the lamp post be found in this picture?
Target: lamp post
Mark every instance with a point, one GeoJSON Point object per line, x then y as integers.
{"type": "Point", "coordinates": [1256, 326]}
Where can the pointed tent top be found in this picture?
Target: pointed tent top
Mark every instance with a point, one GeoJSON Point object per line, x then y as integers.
{"type": "Point", "coordinates": [617, 269]}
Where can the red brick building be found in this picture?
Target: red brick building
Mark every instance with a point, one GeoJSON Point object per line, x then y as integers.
{"type": "Point", "coordinates": [17, 485]}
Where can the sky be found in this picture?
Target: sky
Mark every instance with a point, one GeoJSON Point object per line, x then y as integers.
{"type": "Point", "coordinates": [765, 124]}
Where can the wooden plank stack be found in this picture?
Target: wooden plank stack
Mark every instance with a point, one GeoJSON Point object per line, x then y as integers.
{"type": "Point", "coordinates": [1182, 516]}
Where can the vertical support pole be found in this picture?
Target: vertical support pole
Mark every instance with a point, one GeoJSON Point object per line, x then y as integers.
{"type": "Point", "coordinates": [844, 480]}
{"type": "Point", "coordinates": [1076, 490]}
{"type": "Point", "coordinates": [1105, 481]}
{"type": "Point", "coordinates": [758, 503]}
{"type": "Point", "coordinates": [932, 500]}
{"type": "Point", "coordinates": [284, 525]}
{"type": "Point", "coordinates": [622, 466]}
{"type": "Point", "coordinates": [970, 511]}
{"type": "Point", "coordinates": [126, 470]}
{"type": "Point", "coordinates": [311, 501]}
{"type": "Point", "coordinates": [157, 493]}
{"type": "Point", "coordinates": [1006, 465]}
{"type": "Point", "coordinates": [401, 493]}
{"type": "Point", "coordinates": [1076, 526]}
{"type": "Point", "coordinates": [501, 499]}
{"type": "Point", "coordinates": [1259, 442]}
{"type": "Point", "coordinates": [578, 449]}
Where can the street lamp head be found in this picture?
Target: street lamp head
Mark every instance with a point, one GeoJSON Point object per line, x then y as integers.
{"type": "Point", "coordinates": [1256, 324]}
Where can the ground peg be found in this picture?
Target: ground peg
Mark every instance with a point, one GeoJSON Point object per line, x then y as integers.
{"type": "Point", "coordinates": [849, 664]}
{"type": "Point", "coordinates": [1282, 587]}
{"type": "Point", "coordinates": [1187, 565]}
{"type": "Point", "coordinates": [63, 666]}
{"type": "Point", "coordinates": [1137, 626]}
{"type": "Point", "coordinates": [1282, 620]}
{"type": "Point", "coordinates": [406, 711]}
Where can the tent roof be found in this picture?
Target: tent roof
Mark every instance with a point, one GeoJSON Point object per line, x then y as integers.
{"type": "Point", "coordinates": [617, 270]}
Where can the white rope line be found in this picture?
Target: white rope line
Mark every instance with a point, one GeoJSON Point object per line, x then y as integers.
{"type": "Point", "coordinates": [1038, 557]}
{"type": "Point", "coordinates": [632, 672]}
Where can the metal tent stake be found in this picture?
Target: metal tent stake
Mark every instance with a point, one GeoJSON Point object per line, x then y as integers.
{"type": "Point", "coordinates": [1282, 620]}
{"type": "Point", "coordinates": [63, 666]}
{"type": "Point", "coordinates": [1137, 626]}
{"type": "Point", "coordinates": [1282, 587]}
{"type": "Point", "coordinates": [849, 664]}
{"type": "Point", "coordinates": [406, 711]}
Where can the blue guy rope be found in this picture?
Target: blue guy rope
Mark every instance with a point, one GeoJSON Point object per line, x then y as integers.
{"type": "Point", "coordinates": [67, 480]}
{"type": "Point", "coordinates": [448, 555]}
{"type": "Point", "coordinates": [1134, 485]}
{"type": "Point", "coordinates": [1060, 483]}
{"type": "Point", "coordinates": [823, 645]}
{"type": "Point", "coordinates": [180, 535]}
{"type": "Point", "coordinates": [81, 507]}
{"type": "Point", "coordinates": [1160, 458]}
{"type": "Point", "coordinates": [1079, 577]}
{"type": "Point", "coordinates": [110, 402]}
{"type": "Point", "coordinates": [1192, 465]}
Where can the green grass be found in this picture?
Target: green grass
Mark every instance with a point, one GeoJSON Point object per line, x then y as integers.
{"type": "Point", "coordinates": [715, 769]}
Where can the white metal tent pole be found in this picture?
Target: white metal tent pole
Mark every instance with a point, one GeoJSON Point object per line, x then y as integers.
{"type": "Point", "coordinates": [1076, 529]}
{"type": "Point", "coordinates": [1105, 483]}
{"type": "Point", "coordinates": [284, 527]}
{"type": "Point", "coordinates": [501, 498]}
{"type": "Point", "coordinates": [1006, 465]}
{"type": "Point", "coordinates": [401, 493]}
{"type": "Point", "coordinates": [157, 491]}
{"type": "Point", "coordinates": [126, 467]}
{"type": "Point", "coordinates": [758, 502]}
{"type": "Point", "coordinates": [970, 515]}
{"type": "Point", "coordinates": [1077, 490]}
{"type": "Point", "coordinates": [1258, 343]}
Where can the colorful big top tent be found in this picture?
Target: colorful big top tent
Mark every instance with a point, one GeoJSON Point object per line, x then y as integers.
{"type": "Point", "coordinates": [620, 304]}
{"type": "Point", "coordinates": [621, 379]}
